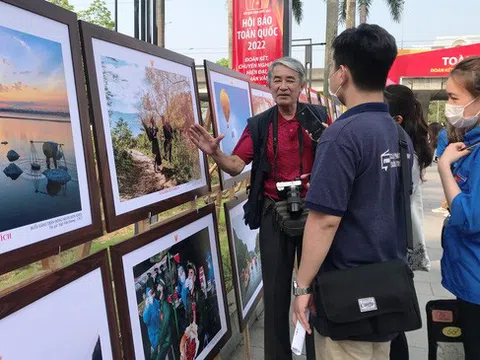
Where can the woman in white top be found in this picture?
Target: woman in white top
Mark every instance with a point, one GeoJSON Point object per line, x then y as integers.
{"type": "Point", "coordinates": [407, 112]}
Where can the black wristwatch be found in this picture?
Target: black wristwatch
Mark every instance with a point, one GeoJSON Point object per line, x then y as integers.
{"type": "Point", "coordinates": [301, 291]}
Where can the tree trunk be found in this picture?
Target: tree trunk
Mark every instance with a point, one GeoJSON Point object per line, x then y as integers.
{"type": "Point", "coordinates": [351, 13]}
{"type": "Point", "coordinates": [161, 22]}
{"type": "Point", "coordinates": [363, 14]}
{"type": "Point", "coordinates": [330, 34]}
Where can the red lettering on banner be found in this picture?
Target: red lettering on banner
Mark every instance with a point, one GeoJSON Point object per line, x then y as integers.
{"type": "Point", "coordinates": [257, 36]}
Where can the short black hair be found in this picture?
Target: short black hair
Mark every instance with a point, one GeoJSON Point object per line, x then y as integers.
{"type": "Point", "coordinates": [369, 52]}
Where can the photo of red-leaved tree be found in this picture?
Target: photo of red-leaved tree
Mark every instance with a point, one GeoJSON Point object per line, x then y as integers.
{"type": "Point", "coordinates": [150, 111]}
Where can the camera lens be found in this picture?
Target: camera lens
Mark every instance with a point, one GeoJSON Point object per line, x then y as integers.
{"type": "Point", "coordinates": [294, 200]}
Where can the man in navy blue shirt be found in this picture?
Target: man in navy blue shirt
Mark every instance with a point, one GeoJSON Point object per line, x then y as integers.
{"type": "Point", "coordinates": [356, 217]}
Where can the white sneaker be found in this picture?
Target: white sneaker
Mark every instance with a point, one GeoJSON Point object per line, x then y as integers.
{"type": "Point", "coordinates": [440, 210]}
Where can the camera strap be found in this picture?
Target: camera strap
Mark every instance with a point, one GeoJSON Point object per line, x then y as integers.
{"type": "Point", "coordinates": [275, 145]}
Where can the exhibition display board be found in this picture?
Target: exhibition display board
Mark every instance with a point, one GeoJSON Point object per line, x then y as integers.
{"type": "Point", "coordinates": [262, 98]}
{"type": "Point", "coordinates": [304, 97]}
{"type": "Point", "coordinates": [143, 99]}
{"type": "Point", "coordinates": [314, 97]}
{"type": "Point", "coordinates": [66, 86]}
{"type": "Point", "coordinates": [230, 106]}
{"type": "Point", "coordinates": [69, 314]}
{"type": "Point", "coordinates": [244, 245]}
{"type": "Point", "coordinates": [173, 273]}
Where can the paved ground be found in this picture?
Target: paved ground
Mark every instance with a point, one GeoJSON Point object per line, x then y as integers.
{"type": "Point", "coordinates": [427, 283]}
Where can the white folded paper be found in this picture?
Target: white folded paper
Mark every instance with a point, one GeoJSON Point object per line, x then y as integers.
{"type": "Point", "coordinates": [299, 337]}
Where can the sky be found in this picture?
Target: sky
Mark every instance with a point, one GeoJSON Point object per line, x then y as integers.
{"type": "Point", "coordinates": [239, 112]}
{"type": "Point", "coordinates": [31, 72]}
{"type": "Point", "coordinates": [127, 88]}
{"type": "Point", "coordinates": [199, 28]}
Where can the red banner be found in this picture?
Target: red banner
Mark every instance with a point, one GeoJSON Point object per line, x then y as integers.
{"type": "Point", "coordinates": [436, 63]}
{"type": "Point", "coordinates": [257, 36]}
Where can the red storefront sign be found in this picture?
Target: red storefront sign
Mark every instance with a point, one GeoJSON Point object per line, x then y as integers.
{"type": "Point", "coordinates": [257, 36]}
{"type": "Point", "coordinates": [436, 63]}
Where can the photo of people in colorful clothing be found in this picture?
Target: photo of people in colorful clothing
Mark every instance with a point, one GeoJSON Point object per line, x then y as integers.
{"type": "Point", "coordinates": [177, 300]}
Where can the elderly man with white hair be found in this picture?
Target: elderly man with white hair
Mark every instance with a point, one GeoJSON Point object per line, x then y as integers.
{"type": "Point", "coordinates": [280, 150]}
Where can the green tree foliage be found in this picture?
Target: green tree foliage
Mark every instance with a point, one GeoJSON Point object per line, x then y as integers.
{"type": "Point", "coordinates": [297, 9]}
{"type": "Point", "coordinates": [184, 159]}
{"type": "Point", "coordinates": [108, 77]}
{"type": "Point", "coordinates": [222, 62]}
{"type": "Point", "coordinates": [122, 139]}
{"type": "Point", "coordinates": [364, 6]}
{"type": "Point", "coordinates": [167, 97]}
{"type": "Point", "coordinates": [436, 112]}
{"type": "Point", "coordinates": [241, 249]}
{"type": "Point", "coordinates": [63, 3]}
{"type": "Point", "coordinates": [97, 13]}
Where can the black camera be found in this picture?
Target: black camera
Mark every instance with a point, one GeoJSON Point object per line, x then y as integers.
{"type": "Point", "coordinates": [291, 191]}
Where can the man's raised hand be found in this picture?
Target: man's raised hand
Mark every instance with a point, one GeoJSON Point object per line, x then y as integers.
{"type": "Point", "coordinates": [203, 140]}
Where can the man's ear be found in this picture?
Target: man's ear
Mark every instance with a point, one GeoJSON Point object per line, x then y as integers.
{"type": "Point", "coordinates": [344, 72]}
{"type": "Point", "coordinates": [398, 119]}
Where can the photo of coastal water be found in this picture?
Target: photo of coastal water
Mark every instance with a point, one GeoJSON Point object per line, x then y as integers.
{"type": "Point", "coordinates": [38, 172]}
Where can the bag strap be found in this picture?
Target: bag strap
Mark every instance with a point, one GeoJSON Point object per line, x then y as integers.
{"type": "Point", "coordinates": [275, 146]}
{"type": "Point", "coordinates": [405, 184]}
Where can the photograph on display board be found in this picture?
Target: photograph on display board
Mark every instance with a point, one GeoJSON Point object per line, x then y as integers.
{"type": "Point", "coordinates": [244, 246]}
{"type": "Point", "coordinates": [170, 290]}
{"type": "Point", "coordinates": [323, 101]}
{"type": "Point", "coordinates": [303, 98]}
{"type": "Point", "coordinates": [314, 97]}
{"type": "Point", "coordinates": [231, 106]}
{"type": "Point", "coordinates": [331, 109]}
{"type": "Point", "coordinates": [144, 100]}
{"type": "Point", "coordinates": [262, 98]}
{"type": "Point", "coordinates": [338, 109]}
{"type": "Point", "coordinates": [47, 179]}
{"type": "Point", "coordinates": [68, 314]}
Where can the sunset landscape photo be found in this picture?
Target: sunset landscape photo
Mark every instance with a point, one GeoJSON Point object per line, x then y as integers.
{"type": "Point", "coordinates": [38, 171]}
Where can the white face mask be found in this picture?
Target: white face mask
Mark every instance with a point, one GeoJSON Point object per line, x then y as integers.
{"type": "Point", "coordinates": [455, 115]}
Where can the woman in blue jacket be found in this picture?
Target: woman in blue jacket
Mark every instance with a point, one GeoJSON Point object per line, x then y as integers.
{"type": "Point", "coordinates": [459, 169]}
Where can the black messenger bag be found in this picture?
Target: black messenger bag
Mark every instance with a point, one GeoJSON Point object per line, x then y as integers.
{"type": "Point", "coordinates": [375, 299]}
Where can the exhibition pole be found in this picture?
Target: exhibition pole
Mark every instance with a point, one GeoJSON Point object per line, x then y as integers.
{"type": "Point", "coordinates": [136, 20]}
{"type": "Point", "coordinates": [143, 20]}
{"type": "Point", "coordinates": [52, 263]}
{"type": "Point", "coordinates": [148, 20]}
{"type": "Point", "coordinates": [84, 250]}
{"type": "Point", "coordinates": [246, 340]}
{"type": "Point", "coordinates": [116, 15]}
{"type": "Point", "coordinates": [287, 27]}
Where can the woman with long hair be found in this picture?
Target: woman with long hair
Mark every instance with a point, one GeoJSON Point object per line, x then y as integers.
{"type": "Point", "coordinates": [407, 112]}
{"type": "Point", "coordinates": [459, 169]}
